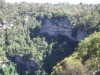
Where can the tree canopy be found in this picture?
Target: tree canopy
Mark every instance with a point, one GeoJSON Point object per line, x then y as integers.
{"type": "Point", "coordinates": [24, 39]}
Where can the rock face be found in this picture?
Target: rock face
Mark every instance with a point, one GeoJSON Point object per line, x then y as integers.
{"type": "Point", "coordinates": [27, 63]}
{"type": "Point", "coordinates": [2, 62]}
{"type": "Point", "coordinates": [61, 26]}
{"type": "Point", "coordinates": [5, 24]}
{"type": "Point", "coordinates": [96, 73]}
{"type": "Point", "coordinates": [81, 35]}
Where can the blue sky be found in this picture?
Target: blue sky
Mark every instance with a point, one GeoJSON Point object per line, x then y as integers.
{"type": "Point", "coordinates": [57, 1]}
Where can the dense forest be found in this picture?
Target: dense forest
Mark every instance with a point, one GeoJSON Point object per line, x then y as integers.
{"type": "Point", "coordinates": [26, 51]}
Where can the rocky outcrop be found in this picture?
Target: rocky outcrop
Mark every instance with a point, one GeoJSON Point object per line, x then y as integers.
{"type": "Point", "coordinates": [61, 26]}
{"type": "Point", "coordinates": [3, 63]}
{"type": "Point", "coordinates": [81, 35]}
{"type": "Point", "coordinates": [6, 24]}
{"type": "Point", "coordinates": [27, 63]}
{"type": "Point", "coordinates": [96, 73]}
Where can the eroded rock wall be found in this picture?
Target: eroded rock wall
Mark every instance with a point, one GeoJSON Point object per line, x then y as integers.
{"type": "Point", "coordinates": [61, 26]}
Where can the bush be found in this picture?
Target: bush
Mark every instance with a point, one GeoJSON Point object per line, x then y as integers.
{"type": "Point", "coordinates": [69, 66]}
{"type": "Point", "coordinates": [89, 50]}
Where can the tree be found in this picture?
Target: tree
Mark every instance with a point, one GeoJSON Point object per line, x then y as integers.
{"type": "Point", "coordinates": [2, 3]}
{"type": "Point", "coordinates": [69, 66]}
{"type": "Point", "coordinates": [89, 50]}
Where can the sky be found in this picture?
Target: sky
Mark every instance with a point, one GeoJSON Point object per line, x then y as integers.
{"type": "Point", "coordinates": [57, 1]}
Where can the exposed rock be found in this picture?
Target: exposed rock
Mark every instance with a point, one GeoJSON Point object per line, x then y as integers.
{"type": "Point", "coordinates": [63, 27]}
{"type": "Point", "coordinates": [81, 35]}
{"type": "Point", "coordinates": [18, 59]}
{"type": "Point", "coordinates": [96, 73]}
{"type": "Point", "coordinates": [6, 24]}
{"type": "Point", "coordinates": [28, 63]}
{"type": "Point", "coordinates": [2, 62]}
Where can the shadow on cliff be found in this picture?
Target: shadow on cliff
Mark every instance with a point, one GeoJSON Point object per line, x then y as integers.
{"type": "Point", "coordinates": [63, 47]}
{"type": "Point", "coordinates": [34, 32]}
{"type": "Point", "coordinates": [24, 65]}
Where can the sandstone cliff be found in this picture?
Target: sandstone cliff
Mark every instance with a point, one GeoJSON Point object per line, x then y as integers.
{"type": "Point", "coordinates": [61, 26]}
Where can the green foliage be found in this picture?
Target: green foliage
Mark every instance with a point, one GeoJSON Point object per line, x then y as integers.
{"type": "Point", "coordinates": [24, 39]}
{"type": "Point", "coordinates": [89, 50]}
{"type": "Point", "coordinates": [62, 47]}
{"type": "Point", "coordinates": [9, 69]}
{"type": "Point", "coordinates": [78, 14]}
{"type": "Point", "coordinates": [69, 66]}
